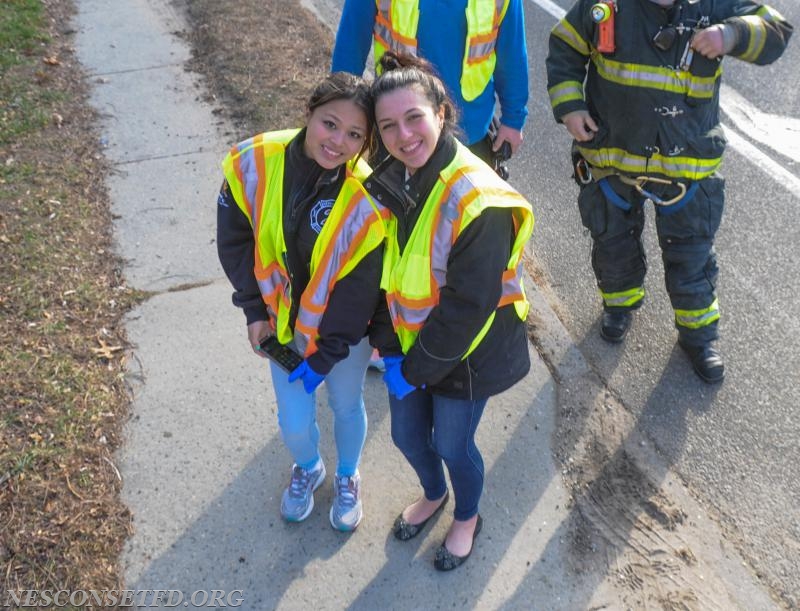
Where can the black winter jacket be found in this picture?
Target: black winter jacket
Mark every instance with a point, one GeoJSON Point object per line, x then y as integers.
{"type": "Point", "coordinates": [309, 192]}
{"type": "Point", "coordinates": [471, 292]}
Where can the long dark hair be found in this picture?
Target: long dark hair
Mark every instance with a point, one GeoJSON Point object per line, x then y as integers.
{"type": "Point", "coordinates": [345, 86]}
{"type": "Point", "coordinates": [400, 71]}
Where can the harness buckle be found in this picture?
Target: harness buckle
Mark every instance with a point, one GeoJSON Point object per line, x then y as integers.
{"type": "Point", "coordinates": [639, 182]}
{"type": "Point", "coordinates": [583, 171]}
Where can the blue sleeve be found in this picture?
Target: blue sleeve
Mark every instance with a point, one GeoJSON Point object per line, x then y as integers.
{"type": "Point", "coordinates": [511, 70]}
{"type": "Point", "coordinates": [354, 37]}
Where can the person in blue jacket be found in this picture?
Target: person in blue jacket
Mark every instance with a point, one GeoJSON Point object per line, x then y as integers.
{"type": "Point", "coordinates": [488, 33]}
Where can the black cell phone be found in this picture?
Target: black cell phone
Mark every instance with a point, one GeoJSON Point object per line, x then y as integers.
{"type": "Point", "coordinates": [503, 154]}
{"type": "Point", "coordinates": [286, 358]}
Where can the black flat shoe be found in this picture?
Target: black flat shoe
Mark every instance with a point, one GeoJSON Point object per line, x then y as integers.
{"type": "Point", "coordinates": [446, 560]}
{"type": "Point", "coordinates": [404, 530]}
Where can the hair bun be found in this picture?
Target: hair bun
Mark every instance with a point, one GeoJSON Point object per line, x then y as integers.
{"type": "Point", "coordinates": [390, 61]}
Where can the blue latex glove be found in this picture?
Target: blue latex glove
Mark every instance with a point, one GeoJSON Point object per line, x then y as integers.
{"type": "Point", "coordinates": [391, 361]}
{"type": "Point", "coordinates": [395, 382]}
{"type": "Point", "coordinates": [311, 379]}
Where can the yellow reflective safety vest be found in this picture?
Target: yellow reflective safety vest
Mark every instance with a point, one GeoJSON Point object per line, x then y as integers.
{"type": "Point", "coordinates": [396, 29]}
{"type": "Point", "coordinates": [355, 226]}
{"type": "Point", "coordinates": [412, 279]}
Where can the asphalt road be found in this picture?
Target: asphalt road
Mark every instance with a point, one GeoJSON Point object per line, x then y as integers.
{"type": "Point", "coordinates": [736, 445]}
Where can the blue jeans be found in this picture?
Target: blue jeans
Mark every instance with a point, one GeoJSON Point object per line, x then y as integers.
{"type": "Point", "coordinates": [429, 429]}
{"type": "Point", "coordinates": [297, 411]}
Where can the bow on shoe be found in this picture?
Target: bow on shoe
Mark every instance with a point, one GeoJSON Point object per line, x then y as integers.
{"type": "Point", "coordinates": [311, 379]}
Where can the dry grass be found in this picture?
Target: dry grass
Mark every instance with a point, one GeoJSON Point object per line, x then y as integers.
{"type": "Point", "coordinates": [63, 400]}
{"type": "Point", "coordinates": [260, 59]}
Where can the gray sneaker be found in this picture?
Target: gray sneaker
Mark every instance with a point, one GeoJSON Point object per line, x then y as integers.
{"type": "Point", "coordinates": [346, 511]}
{"type": "Point", "coordinates": [298, 498]}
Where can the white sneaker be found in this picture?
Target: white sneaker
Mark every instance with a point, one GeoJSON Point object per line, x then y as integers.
{"type": "Point", "coordinates": [298, 498]}
{"type": "Point", "coordinates": [376, 362]}
{"type": "Point", "coordinates": [346, 511]}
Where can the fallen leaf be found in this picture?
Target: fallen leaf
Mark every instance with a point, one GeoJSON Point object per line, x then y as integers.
{"type": "Point", "coordinates": [105, 351]}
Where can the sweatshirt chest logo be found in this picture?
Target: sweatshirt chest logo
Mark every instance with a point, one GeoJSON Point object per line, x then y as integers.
{"type": "Point", "coordinates": [319, 214]}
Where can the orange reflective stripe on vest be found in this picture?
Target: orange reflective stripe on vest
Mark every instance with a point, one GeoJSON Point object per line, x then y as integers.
{"type": "Point", "coordinates": [413, 279]}
{"type": "Point", "coordinates": [390, 37]}
{"type": "Point", "coordinates": [482, 44]}
{"type": "Point", "coordinates": [359, 230]}
{"type": "Point", "coordinates": [355, 226]}
{"type": "Point", "coordinates": [397, 21]}
{"type": "Point", "coordinates": [271, 281]}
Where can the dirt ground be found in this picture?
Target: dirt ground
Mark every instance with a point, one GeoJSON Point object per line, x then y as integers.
{"type": "Point", "coordinates": [260, 58]}
{"type": "Point", "coordinates": [632, 518]}
{"type": "Point", "coordinates": [63, 400]}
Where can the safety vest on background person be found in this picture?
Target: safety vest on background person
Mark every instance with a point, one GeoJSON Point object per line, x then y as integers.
{"type": "Point", "coordinates": [396, 29]}
{"type": "Point", "coordinates": [355, 226]}
{"type": "Point", "coordinates": [412, 279]}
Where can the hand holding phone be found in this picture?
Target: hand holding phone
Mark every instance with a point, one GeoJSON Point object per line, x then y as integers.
{"type": "Point", "coordinates": [283, 356]}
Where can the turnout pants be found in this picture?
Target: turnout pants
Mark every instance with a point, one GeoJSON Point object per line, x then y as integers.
{"type": "Point", "coordinates": [686, 237]}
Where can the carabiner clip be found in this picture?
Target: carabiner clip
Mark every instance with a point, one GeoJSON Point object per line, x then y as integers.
{"type": "Point", "coordinates": [654, 198]}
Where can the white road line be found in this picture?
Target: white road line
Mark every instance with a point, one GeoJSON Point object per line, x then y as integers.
{"type": "Point", "coordinates": [764, 162]}
{"type": "Point", "coordinates": [551, 7]}
{"type": "Point", "coordinates": [781, 134]}
{"type": "Point", "coordinates": [736, 110]}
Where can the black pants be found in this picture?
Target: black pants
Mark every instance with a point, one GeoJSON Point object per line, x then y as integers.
{"type": "Point", "coordinates": [687, 249]}
{"type": "Point", "coordinates": [483, 149]}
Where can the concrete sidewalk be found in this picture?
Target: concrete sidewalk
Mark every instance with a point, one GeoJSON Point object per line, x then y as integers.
{"type": "Point", "coordinates": [203, 463]}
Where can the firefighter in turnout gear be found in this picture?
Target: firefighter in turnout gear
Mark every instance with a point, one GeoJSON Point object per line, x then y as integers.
{"type": "Point", "coordinates": [644, 115]}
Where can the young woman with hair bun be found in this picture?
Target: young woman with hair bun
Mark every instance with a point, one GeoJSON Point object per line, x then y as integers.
{"type": "Point", "coordinates": [451, 324]}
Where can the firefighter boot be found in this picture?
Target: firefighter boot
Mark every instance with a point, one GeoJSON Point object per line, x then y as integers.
{"type": "Point", "coordinates": [614, 325]}
{"type": "Point", "coordinates": [706, 361]}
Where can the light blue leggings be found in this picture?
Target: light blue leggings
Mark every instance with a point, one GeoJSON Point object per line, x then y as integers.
{"type": "Point", "coordinates": [297, 411]}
